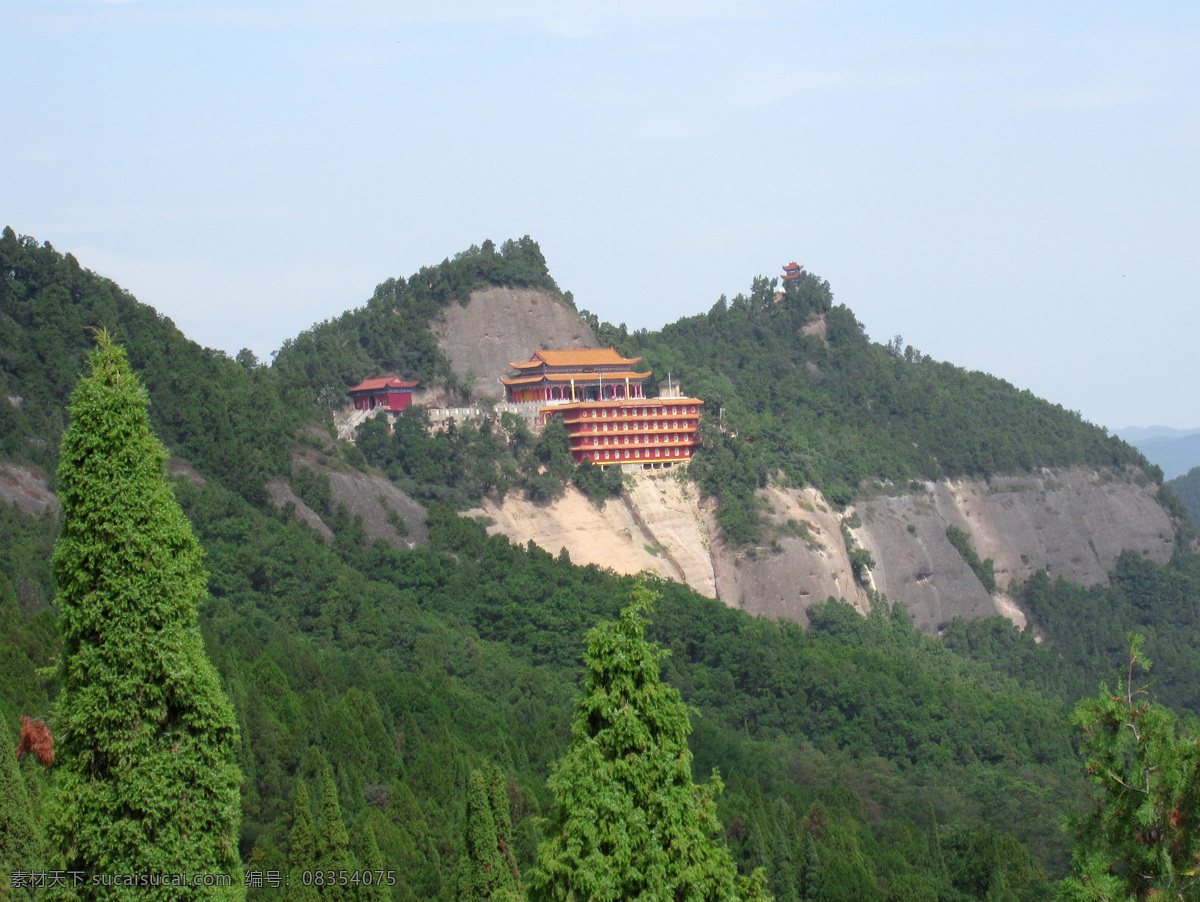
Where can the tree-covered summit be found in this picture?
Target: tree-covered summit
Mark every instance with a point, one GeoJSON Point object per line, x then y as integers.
{"type": "Point", "coordinates": [794, 389]}
{"type": "Point", "coordinates": [392, 332]}
{"type": "Point", "coordinates": [225, 417]}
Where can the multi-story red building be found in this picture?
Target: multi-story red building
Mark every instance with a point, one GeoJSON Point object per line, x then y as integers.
{"type": "Point", "coordinates": [599, 398]}
{"type": "Point", "coordinates": [647, 431]}
{"type": "Point", "coordinates": [387, 393]}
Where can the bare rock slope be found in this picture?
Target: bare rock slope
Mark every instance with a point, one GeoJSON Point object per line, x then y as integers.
{"type": "Point", "coordinates": [1072, 523]}
{"type": "Point", "coordinates": [379, 502]}
{"type": "Point", "coordinates": [658, 528]}
{"type": "Point", "coordinates": [26, 488]}
{"type": "Point", "coordinates": [281, 495]}
{"type": "Point", "coordinates": [501, 325]}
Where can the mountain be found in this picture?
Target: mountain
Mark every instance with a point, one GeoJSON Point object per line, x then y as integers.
{"type": "Point", "coordinates": [1187, 488]}
{"type": "Point", "coordinates": [1175, 451]}
{"type": "Point", "coordinates": [896, 447]}
{"type": "Point", "coordinates": [357, 619]}
{"type": "Point", "coordinates": [1135, 434]}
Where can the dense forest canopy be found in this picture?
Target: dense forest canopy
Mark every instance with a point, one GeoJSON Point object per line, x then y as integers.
{"type": "Point", "coordinates": [1187, 489]}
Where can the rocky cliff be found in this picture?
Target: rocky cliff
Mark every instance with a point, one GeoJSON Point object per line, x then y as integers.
{"type": "Point", "coordinates": [1071, 523]}
{"type": "Point", "coordinates": [501, 325]}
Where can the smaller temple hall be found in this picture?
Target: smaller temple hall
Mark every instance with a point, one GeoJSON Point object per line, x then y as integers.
{"type": "Point", "coordinates": [387, 393]}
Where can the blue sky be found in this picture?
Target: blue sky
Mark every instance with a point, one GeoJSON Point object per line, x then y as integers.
{"type": "Point", "coordinates": [1013, 187]}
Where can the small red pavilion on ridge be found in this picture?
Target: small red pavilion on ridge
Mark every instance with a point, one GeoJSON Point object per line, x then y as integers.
{"type": "Point", "coordinates": [387, 393]}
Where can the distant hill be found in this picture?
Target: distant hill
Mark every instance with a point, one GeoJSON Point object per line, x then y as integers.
{"type": "Point", "coordinates": [1187, 488]}
{"type": "Point", "coordinates": [1174, 450]}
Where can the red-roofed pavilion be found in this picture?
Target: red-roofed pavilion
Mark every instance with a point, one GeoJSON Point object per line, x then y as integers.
{"type": "Point", "coordinates": [387, 393]}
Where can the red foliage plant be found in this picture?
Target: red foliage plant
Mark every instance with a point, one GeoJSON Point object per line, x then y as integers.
{"type": "Point", "coordinates": [36, 738]}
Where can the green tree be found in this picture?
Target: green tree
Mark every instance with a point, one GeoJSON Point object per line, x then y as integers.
{"type": "Point", "coordinates": [374, 888]}
{"type": "Point", "coordinates": [487, 869]}
{"type": "Point", "coordinates": [810, 870]}
{"type": "Point", "coordinates": [629, 822]}
{"type": "Point", "coordinates": [844, 873]}
{"type": "Point", "coordinates": [333, 844]}
{"type": "Point", "coordinates": [20, 846]}
{"type": "Point", "coordinates": [1142, 837]}
{"type": "Point", "coordinates": [302, 856]}
{"type": "Point", "coordinates": [146, 780]}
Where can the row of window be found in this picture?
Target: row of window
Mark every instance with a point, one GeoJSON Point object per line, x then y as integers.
{"type": "Point", "coordinates": [640, 455]}
{"type": "Point", "coordinates": [649, 440]}
{"type": "Point", "coordinates": [665, 411]}
{"type": "Point", "coordinates": [639, 426]}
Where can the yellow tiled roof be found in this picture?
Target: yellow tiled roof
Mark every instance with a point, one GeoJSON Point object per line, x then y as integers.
{"type": "Point", "coordinates": [578, 377]}
{"type": "Point", "coordinates": [577, 357]}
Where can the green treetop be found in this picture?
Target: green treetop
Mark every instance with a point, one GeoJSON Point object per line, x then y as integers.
{"type": "Point", "coordinates": [487, 870]}
{"type": "Point", "coordinates": [146, 781]}
{"type": "Point", "coordinates": [629, 822]}
{"type": "Point", "coordinates": [20, 846]}
{"type": "Point", "coordinates": [302, 857]}
{"type": "Point", "coordinates": [1142, 838]}
{"type": "Point", "coordinates": [375, 887]}
{"type": "Point", "coordinates": [333, 843]}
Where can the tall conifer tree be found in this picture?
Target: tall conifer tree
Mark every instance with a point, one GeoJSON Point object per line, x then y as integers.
{"type": "Point", "coordinates": [487, 870]}
{"type": "Point", "coordinates": [629, 821]}
{"type": "Point", "coordinates": [20, 845]}
{"type": "Point", "coordinates": [333, 843]}
{"type": "Point", "coordinates": [145, 781]}
{"type": "Point", "coordinates": [375, 887]}
{"type": "Point", "coordinates": [302, 856]}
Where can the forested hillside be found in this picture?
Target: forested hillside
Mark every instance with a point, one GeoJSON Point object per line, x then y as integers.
{"type": "Point", "coordinates": [1187, 489]}
{"type": "Point", "coordinates": [861, 759]}
{"type": "Point", "coordinates": [406, 669]}
{"type": "Point", "coordinates": [391, 333]}
{"type": "Point", "coordinates": [805, 393]}
{"type": "Point", "coordinates": [226, 417]}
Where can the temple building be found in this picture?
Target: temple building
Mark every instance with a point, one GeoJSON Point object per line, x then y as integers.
{"type": "Point", "coordinates": [598, 396]}
{"type": "Point", "coordinates": [387, 393]}
{"type": "Point", "coordinates": [792, 271]}
{"type": "Point", "coordinates": [583, 374]}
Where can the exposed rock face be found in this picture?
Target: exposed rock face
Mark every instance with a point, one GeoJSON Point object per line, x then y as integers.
{"type": "Point", "coordinates": [667, 509]}
{"type": "Point", "coordinates": [1073, 523]}
{"type": "Point", "coordinates": [281, 495]}
{"type": "Point", "coordinates": [26, 488]}
{"type": "Point", "coordinates": [373, 498]}
{"type": "Point", "coordinates": [811, 565]}
{"type": "Point", "coordinates": [612, 537]}
{"type": "Point", "coordinates": [502, 325]}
